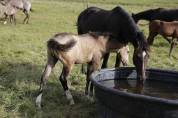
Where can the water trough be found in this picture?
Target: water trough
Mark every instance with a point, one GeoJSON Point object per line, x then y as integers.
{"type": "Point", "coordinates": [119, 95]}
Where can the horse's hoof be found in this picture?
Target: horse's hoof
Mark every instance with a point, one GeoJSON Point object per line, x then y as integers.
{"type": "Point", "coordinates": [5, 22]}
{"type": "Point", "coordinates": [90, 98]}
{"type": "Point", "coordinates": [38, 101]}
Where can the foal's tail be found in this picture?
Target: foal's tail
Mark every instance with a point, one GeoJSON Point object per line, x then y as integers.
{"type": "Point", "coordinates": [55, 46]}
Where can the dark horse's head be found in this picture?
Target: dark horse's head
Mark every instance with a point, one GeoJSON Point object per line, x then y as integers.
{"type": "Point", "coordinates": [140, 56]}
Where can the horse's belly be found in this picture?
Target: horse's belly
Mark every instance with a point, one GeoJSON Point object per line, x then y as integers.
{"type": "Point", "coordinates": [80, 58]}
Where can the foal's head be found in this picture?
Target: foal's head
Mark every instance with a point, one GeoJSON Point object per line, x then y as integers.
{"type": "Point", "coordinates": [140, 56]}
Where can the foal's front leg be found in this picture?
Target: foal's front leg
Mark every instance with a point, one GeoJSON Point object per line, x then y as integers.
{"type": "Point", "coordinates": [63, 79]}
{"type": "Point", "coordinates": [93, 66]}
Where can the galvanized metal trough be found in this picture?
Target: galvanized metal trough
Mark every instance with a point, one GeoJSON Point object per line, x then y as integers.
{"type": "Point", "coordinates": [120, 103]}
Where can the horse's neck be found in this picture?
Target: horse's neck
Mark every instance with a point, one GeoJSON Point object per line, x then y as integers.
{"type": "Point", "coordinates": [146, 15]}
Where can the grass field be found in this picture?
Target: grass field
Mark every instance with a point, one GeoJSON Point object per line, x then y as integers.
{"type": "Point", "coordinates": [23, 56]}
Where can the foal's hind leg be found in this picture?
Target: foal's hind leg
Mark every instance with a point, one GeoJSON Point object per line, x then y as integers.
{"type": "Point", "coordinates": [50, 64]}
{"type": "Point", "coordinates": [63, 79]}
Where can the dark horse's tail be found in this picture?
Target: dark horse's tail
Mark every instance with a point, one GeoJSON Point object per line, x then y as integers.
{"type": "Point", "coordinates": [55, 46]}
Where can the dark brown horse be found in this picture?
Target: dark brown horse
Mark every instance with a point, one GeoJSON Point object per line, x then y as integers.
{"type": "Point", "coordinates": [120, 24]}
{"type": "Point", "coordinates": [157, 14]}
{"type": "Point", "coordinates": [166, 29]}
{"type": "Point", "coordinates": [73, 49]}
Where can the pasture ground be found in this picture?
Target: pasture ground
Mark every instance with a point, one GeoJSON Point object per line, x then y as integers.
{"type": "Point", "coordinates": [23, 57]}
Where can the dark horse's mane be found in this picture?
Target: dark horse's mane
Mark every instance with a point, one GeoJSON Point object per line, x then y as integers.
{"type": "Point", "coordinates": [157, 14]}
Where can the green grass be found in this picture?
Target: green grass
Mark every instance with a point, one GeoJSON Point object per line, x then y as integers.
{"type": "Point", "coordinates": [23, 56]}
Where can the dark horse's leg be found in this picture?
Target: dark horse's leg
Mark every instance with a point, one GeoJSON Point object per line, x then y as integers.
{"type": "Point", "coordinates": [151, 37]}
{"type": "Point", "coordinates": [105, 60]}
{"type": "Point", "coordinates": [49, 66]}
{"type": "Point", "coordinates": [173, 44]}
{"type": "Point", "coordinates": [63, 79]}
{"type": "Point", "coordinates": [118, 60]}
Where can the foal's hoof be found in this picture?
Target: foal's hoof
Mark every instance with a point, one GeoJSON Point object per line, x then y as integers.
{"type": "Point", "coordinates": [38, 101]}
{"type": "Point", "coordinates": [38, 104]}
{"type": "Point", "coordinates": [72, 102]}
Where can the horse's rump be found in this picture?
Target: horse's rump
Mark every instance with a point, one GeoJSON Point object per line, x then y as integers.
{"type": "Point", "coordinates": [52, 44]}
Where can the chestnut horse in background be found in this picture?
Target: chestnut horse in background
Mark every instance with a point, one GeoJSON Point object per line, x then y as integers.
{"type": "Point", "coordinates": [73, 49]}
{"type": "Point", "coordinates": [166, 29]}
{"type": "Point", "coordinates": [119, 23]}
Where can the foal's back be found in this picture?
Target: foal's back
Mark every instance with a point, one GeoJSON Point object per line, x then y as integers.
{"type": "Point", "coordinates": [86, 47]}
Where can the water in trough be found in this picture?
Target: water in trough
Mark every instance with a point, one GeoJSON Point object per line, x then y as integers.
{"type": "Point", "coordinates": [151, 88]}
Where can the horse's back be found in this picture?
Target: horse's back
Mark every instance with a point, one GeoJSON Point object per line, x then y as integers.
{"type": "Point", "coordinates": [166, 15]}
{"type": "Point", "coordinates": [154, 25]}
{"type": "Point", "coordinates": [116, 21]}
{"type": "Point", "coordinates": [92, 19]}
